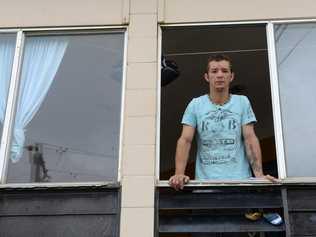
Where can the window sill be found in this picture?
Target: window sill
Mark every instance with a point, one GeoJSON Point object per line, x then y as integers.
{"type": "Point", "coordinates": [249, 182]}
{"type": "Point", "coordinates": [84, 185]}
{"type": "Point", "coordinates": [215, 183]}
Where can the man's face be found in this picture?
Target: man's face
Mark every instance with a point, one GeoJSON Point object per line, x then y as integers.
{"type": "Point", "coordinates": [219, 75]}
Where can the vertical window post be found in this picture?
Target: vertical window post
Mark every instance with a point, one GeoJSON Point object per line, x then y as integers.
{"type": "Point", "coordinates": [158, 117]}
{"type": "Point", "coordinates": [11, 105]}
{"type": "Point", "coordinates": [276, 101]}
{"type": "Point", "coordinates": [124, 72]}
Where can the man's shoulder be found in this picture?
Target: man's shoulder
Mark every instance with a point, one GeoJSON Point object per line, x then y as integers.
{"type": "Point", "coordinates": [197, 103]}
{"type": "Point", "coordinates": [240, 98]}
{"type": "Point", "coordinates": [199, 99]}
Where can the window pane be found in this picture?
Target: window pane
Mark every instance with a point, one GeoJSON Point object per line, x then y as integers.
{"type": "Point", "coordinates": [296, 53]}
{"type": "Point", "coordinates": [184, 45]}
{"type": "Point", "coordinates": [68, 116]}
{"type": "Point", "coordinates": [7, 46]}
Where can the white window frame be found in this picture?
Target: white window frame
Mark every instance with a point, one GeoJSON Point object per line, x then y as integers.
{"type": "Point", "coordinates": [13, 97]}
{"type": "Point", "coordinates": [274, 74]}
{"type": "Point", "coordinates": [276, 108]}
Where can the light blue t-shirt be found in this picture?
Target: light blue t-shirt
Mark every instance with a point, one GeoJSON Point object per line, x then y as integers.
{"type": "Point", "coordinates": [221, 150]}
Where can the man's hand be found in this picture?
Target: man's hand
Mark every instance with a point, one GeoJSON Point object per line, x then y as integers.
{"type": "Point", "coordinates": [269, 178]}
{"type": "Point", "coordinates": [178, 181]}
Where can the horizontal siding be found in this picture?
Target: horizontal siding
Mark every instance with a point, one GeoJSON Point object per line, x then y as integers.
{"type": "Point", "coordinates": [60, 212]}
{"type": "Point", "coordinates": [215, 210]}
{"type": "Point", "coordinates": [214, 223]}
{"type": "Point", "coordinates": [58, 203]}
{"type": "Point", "coordinates": [303, 223]}
{"type": "Point", "coordinates": [49, 226]}
{"type": "Point", "coordinates": [302, 199]}
{"type": "Point", "coordinates": [221, 200]}
{"type": "Point", "coordinates": [302, 210]}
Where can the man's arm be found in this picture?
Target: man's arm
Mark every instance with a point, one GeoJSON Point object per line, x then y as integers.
{"type": "Point", "coordinates": [178, 180]}
{"type": "Point", "coordinates": [254, 152]}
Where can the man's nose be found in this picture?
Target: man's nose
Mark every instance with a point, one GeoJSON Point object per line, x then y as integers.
{"type": "Point", "coordinates": [219, 74]}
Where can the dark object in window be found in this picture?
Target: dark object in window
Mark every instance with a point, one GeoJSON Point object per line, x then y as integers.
{"type": "Point", "coordinates": [169, 71]}
{"type": "Point", "coordinates": [238, 89]}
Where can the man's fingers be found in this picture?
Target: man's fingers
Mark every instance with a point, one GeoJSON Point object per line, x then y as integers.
{"type": "Point", "coordinates": [182, 180]}
{"type": "Point", "coordinates": [177, 184]}
{"type": "Point", "coordinates": [170, 181]}
{"type": "Point", "coordinates": [186, 179]}
{"type": "Point", "coordinates": [178, 181]}
{"type": "Point", "coordinates": [173, 182]}
{"type": "Point", "coordinates": [271, 178]}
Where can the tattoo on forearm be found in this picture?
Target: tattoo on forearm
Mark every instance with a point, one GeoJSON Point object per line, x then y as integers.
{"type": "Point", "coordinates": [254, 160]}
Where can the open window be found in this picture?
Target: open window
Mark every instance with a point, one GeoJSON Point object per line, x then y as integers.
{"type": "Point", "coordinates": [189, 47]}
{"type": "Point", "coordinates": [274, 67]}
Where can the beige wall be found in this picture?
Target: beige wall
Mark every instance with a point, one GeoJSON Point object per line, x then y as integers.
{"type": "Point", "coordinates": [34, 13]}
{"type": "Point", "coordinates": [138, 156]}
{"type": "Point", "coordinates": [179, 11]}
{"type": "Point", "coordinates": [138, 166]}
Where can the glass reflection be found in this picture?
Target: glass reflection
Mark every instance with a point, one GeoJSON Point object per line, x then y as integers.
{"type": "Point", "coordinates": [73, 134]}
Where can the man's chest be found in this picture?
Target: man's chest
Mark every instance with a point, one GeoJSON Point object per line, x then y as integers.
{"type": "Point", "coordinates": [215, 121]}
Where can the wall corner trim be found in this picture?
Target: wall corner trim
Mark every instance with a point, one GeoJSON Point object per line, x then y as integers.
{"type": "Point", "coordinates": [161, 11]}
{"type": "Point", "coordinates": [125, 11]}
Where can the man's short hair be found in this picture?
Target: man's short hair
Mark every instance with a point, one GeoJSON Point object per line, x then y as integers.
{"type": "Point", "coordinates": [218, 58]}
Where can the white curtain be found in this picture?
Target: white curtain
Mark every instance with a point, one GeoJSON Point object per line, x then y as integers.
{"type": "Point", "coordinates": [7, 46]}
{"type": "Point", "coordinates": [42, 57]}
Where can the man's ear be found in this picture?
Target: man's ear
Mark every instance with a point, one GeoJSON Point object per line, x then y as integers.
{"type": "Point", "coordinates": [233, 77]}
{"type": "Point", "coordinates": [206, 77]}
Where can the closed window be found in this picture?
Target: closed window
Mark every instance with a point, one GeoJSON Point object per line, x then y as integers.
{"type": "Point", "coordinates": [296, 52]}
{"type": "Point", "coordinates": [7, 47]}
{"type": "Point", "coordinates": [66, 123]}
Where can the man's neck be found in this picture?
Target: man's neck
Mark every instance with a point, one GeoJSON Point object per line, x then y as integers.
{"type": "Point", "coordinates": [219, 97]}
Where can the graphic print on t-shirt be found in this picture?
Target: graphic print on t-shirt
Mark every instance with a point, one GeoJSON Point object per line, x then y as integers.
{"type": "Point", "coordinates": [219, 134]}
